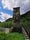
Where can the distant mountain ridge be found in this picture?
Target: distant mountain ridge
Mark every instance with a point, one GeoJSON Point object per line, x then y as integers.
{"type": "Point", "coordinates": [10, 19]}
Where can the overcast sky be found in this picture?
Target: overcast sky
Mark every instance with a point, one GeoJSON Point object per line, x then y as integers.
{"type": "Point", "coordinates": [6, 8]}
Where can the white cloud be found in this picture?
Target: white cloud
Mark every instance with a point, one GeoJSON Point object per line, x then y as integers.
{"type": "Point", "coordinates": [4, 16]}
{"type": "Point", "coordinates": [23, 4]}
{"type": "Point", "coordinates": [7, 4]}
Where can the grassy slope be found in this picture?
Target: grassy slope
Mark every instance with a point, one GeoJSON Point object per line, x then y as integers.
{"type": "Point", "coordinates": [11, 36]}
{"type": "Point", "coordinates": [15, 36]}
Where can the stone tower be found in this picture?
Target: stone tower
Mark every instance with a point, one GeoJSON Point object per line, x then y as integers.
{"type": "Point", "coordinates": [16, 20]}
{"type": "Point", "coordinates": [16, 16]}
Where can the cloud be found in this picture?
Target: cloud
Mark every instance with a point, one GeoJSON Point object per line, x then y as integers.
{"type": "Point", "coordinates": [23, 4]}
{"type": "Point", "coordinates": [7, 4]}
{"type": "Point", "coordinates": [4, 16]}
{"type": "Point", "coordinates": [10, 4]}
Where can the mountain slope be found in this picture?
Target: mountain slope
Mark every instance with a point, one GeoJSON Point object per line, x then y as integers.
{"type": "Point", "coordinates": [25, 19]}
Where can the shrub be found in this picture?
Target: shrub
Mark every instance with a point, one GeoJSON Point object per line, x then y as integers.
{"type": "Point", "coordinates": [2, 35]}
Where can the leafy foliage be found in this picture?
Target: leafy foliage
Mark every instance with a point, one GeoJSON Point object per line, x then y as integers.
{"type": "Point", "coordinates": [2, 36]}
{"type": "Point", "coordinates": [6, 24]}
{"type": "Point", "coordinates": [25, 19]}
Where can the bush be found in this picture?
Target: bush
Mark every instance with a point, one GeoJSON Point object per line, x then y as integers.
{"type": "Point", "coordinates": [2, 35]}
{"type": "Point", "coordinates": [6, 24]}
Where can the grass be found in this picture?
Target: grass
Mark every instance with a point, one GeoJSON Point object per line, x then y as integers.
{"type": "Point", "coordinates": [15, 36]}
{"type": "Point", "coordinates": [11, 36]}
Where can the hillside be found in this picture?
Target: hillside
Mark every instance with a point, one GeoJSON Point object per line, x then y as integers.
{"type": "Point", "coordinates": [25, 19]}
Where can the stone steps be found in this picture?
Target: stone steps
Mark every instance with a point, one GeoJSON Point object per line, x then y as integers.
{"type": "Point", "coordinates": [25, 34]}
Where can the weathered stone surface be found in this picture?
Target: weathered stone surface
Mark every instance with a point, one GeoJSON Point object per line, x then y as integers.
{"type": "Point", "coordinates": [16, 14]}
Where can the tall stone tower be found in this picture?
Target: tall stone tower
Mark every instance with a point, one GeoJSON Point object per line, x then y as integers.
{"type": "Point", "coordinates": [16, 16]}
{"type": "Point", "coordinates": [16, 20]}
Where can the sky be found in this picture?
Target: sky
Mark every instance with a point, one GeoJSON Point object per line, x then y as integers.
{"type": "Point", "coordinates": [6, 8]}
